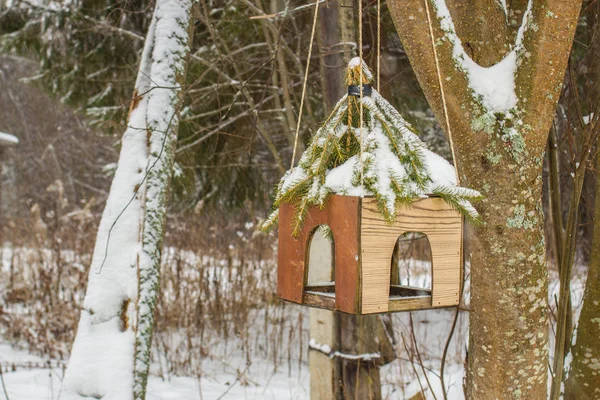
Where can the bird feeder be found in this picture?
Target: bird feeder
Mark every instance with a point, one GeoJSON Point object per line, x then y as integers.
{"type": "Point", "coordinates": [370, 179]}
{"type": "Point", "coordinates": [363, 247]}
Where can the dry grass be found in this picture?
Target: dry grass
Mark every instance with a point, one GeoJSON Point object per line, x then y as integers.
{"type": "Point", "coordinates": [217, 291]}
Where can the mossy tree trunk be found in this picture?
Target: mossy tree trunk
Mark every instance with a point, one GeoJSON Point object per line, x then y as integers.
{"type": "Point", "coordinates": [170, 55]}
{"type": "Point", "coordinates": [509, 280]}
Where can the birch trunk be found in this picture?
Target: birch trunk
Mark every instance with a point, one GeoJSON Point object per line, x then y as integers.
{"type": "Point", "coordinates": [111, 351]}
{"type": "Point", "coordinates": [170, 54]}
{"type": "Point", "coordinates": [498, 151]}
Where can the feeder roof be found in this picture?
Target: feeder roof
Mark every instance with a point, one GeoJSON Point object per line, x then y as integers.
{"type": "Point", "coordinates": [366, 148]}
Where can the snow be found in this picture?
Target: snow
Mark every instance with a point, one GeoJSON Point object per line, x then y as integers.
{"type": "Point", "coordinates": [102, 355]}
{"type": "Point", "coordinates": [494, 85]}
{"type": "Point", "coordinates": [6, 139]}
{"type": "Point", "coordinates": [502, 4]}
{"type": "Point", "coordinates": [232, 378]}
{"type": "Point", "coordinates": [292, 177]}
{"type": "Point", "coordinates": [339, 179]}
{"type": "Point", "coordinates": [377, 149]}
{"type": "Point", "coordinates": [387, 166]}
{"type": "Point", "coordinates": [260, 382]}
{"type": "Point", "coordinates": [225, 372]}
{"type": "Point", "coordinates": [355, 62]}
{"type": "Point", "coordinates": [101, 361]}
{"type": "Point", "coordinates": [323, 348]}
{"type": "Point", "coordinates": [442, 172]}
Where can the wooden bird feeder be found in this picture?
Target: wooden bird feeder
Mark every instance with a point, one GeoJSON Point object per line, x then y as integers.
{"type": "Point", "coordinates": [363, 247]}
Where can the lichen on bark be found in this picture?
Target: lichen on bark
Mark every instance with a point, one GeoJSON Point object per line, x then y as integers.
{"type": "Point", "coordinates": [499, 154]}
{"type": "Point", "coordinates": [168, 66]}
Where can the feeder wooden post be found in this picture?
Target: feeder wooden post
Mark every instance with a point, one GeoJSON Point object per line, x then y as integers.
{"type": "Point", "coordinates": [324, 371]}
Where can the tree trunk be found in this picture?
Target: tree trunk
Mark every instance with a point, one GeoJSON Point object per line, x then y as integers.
{"type": "Point", "coordinates": [583, 376]}
{"type": "Point", "coordinates": [325, 372]}
{"type": "Point", "coordinates": [498, 148]}
{"type": "Point", "coordinates": [333, 52]}
{"type": "Point", "coordinates": [111, 351]}
{"type": "Point", "coordinates": [360, 336]}
{"type": "Point", "coordinates": [171, 47]}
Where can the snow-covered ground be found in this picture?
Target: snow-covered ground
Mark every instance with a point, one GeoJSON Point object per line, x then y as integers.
{"type": "Point", "coordinates": [34, 380]}
{"type": "Point", "coordinates": [226, 375]}
{"type": "Point", "coordinates": [275, 342]}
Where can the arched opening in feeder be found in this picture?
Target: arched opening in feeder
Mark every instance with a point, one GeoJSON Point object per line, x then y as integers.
{"type": "Point", "coordinates": [320, 262]}
{"type": "Point", "coordinates": [411, 270]}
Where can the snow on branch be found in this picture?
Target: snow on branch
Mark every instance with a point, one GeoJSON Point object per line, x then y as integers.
{"type": "Point", "coordinates": [326, 349]}
{"type": "Point", "coordinates": [494, 86]}
{"type": "Point", "coordinates": [7, 139]}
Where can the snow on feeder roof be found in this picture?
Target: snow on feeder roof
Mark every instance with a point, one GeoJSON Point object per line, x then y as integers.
{"type": "Point", "coordinates": [7, 139]}
{"type": "Point", "coordinates": [395, 166]}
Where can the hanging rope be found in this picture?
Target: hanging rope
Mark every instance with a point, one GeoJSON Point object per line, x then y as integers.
{"type": "Point", "coordinates": [310, 47]}
{"type": "Point", "coordinates": [360, 82]}
{"type": "Point", "coordinates": [378, 43]}
{"type": "Point", "coordinates": [441, 83]}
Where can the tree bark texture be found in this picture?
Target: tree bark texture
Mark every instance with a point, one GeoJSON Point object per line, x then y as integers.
{"type": "Point", "coordinates": [170, 54]}
{"type": "Point", "coordinates": [583, 376]}
{"type": "Point", "coordinates": [509, 280]}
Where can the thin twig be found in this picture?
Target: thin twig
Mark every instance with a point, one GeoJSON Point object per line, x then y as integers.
{"type": "Point", "coordinates": [412, 363]}
{"type": "Point", "coordinates": [285, 13]}
{"type": "Point", "coordinates": [416, 345]}
{"type": "Point", "coordinates": [237, 379]}
{"type": "Point", "coordinates": [447, 345]}
{"type": "Point", "coordinates": [3, 384]}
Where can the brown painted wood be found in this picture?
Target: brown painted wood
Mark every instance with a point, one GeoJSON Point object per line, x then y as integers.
{"type": "Point", "coordinates": [341, 213]}
{"type": "Point", "coordinates": [345, 224]}
{"type": "Point", "coordinates": [291, 257]}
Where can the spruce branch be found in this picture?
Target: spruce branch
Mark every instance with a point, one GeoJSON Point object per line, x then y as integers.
{"type": "Point", "coordinates": [384, 158]}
